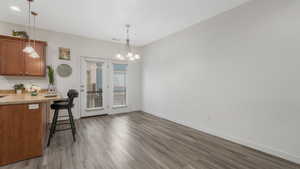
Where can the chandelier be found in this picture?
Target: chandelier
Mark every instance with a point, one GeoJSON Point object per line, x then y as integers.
{"type": "Point", "coordinates": [128, 54]}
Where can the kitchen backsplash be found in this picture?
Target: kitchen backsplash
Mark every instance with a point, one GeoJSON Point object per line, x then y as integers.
{"type": "Point", "coordinates": [7, 82]}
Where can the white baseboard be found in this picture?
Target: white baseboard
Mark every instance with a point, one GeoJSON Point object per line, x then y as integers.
{"type": "Point", "coordinates": [255, 146]}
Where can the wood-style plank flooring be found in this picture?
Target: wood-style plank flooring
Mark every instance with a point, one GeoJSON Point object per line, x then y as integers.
{"type": "Point", "coordinates": [141, 141]}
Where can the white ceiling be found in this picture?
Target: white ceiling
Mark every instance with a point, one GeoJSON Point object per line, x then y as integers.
{"type": "Point", "coordinates": [105, 19]}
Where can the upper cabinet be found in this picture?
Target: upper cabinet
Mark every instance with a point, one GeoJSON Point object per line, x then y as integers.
{"type": "Point", "coordinates": [11, 57]}
{"type": "Point", "coordinates": [36, 66]}
{"type": "Point", "coordinates": [14, 62]}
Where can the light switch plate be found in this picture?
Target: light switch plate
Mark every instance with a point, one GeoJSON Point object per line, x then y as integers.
{"type": "Point", "coordinates": [33, 106]}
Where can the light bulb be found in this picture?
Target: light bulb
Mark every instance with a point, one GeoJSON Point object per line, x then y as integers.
{"type": "Point", "coordinates": [15, 8]}
{"type": "Point", "coordinates": [131, 58]}
{"type": "Point", "coordinates": [137, 56]}
{"type": "Point", "coordinates": [34, 55]}
{"type": "Point", "coordinates": [118, 56]}
{"type": "Point", "coordinates": [28, 50]}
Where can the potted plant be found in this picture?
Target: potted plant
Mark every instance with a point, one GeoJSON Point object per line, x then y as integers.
{"type": "Point", "coordinates": [19, 88]}
{"type": "Point", "coordinates": [51, 88]}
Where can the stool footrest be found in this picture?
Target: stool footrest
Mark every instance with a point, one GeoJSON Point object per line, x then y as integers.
{"type": "Point", "coordinates": [64, 116]}
{"type": "Point", "coordinates": [63, 129]}
{"type": "Point", "coordinates": [62, 123]}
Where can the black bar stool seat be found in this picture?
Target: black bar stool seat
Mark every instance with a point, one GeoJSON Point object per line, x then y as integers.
{"type": "Point", "coordinates": [66, 104]}
{"type": "Point", "coordinates": [60, 105]}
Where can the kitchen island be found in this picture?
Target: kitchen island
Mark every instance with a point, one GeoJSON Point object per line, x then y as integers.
{"type": "Point", "coordinates": [23, 126]}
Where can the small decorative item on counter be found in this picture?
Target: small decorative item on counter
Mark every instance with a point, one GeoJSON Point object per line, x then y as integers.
{"type": "Point", "coordinates": [34, 90]}
{"type": "Point", "coordinates": [19, 88]}
{"type": "Point", "coordinates": [51, 88]}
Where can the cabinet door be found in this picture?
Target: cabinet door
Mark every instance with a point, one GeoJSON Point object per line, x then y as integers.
{"type": "Point", "coordinates": [21, 131]}
{"type": "Point", "coordinates": [11, 57]}
{"type": "Point", "coordinates": [35, 66]}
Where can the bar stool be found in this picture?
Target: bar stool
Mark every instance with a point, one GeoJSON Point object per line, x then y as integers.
{"type": "Point", "coordinates": [60, 105]}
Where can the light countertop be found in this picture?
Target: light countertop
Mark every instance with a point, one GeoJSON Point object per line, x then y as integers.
{"type": "Point", "coordinates": [26, 98]}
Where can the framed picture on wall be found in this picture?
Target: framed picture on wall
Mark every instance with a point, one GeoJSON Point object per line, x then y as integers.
{"type": "Point", "coordinates": [64, 53]}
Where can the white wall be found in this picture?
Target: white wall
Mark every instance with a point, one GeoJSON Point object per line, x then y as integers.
{"type": "Point", "coordinates": [236, 75]}
{"type": "Point", "coordinates": [79, 47]}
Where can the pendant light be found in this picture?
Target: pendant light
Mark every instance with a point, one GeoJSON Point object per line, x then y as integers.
{"type": "Point", "coordinates": [29, 49]}
{"type": "Point", "coordinates": [129, 55]}
{"type": "Point", "coordinates": [34, 54]}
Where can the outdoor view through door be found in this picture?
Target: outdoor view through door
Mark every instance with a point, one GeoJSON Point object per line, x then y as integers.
{"type": "Point", "coordinates": [119, 85]}
{"type": "Point", "coordinates": [103, 86]}
{"type": "Point", "coordinates": [94, 79]}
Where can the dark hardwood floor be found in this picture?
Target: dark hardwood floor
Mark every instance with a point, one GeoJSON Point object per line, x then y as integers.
{"type": "Point", "coordinates": [142, 141]}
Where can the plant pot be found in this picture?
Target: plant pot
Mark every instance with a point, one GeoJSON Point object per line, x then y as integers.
{"type": "Point", "coordinates": [51, 89]}
{"type": "Point", "coordinates": [19, 91]}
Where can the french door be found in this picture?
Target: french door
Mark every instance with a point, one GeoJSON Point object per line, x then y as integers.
{"type": "Point", "coordinates": [94, 87]}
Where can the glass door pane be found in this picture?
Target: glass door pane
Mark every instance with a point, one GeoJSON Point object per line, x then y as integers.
{"type": "Point", "coordinates": [119, 84]}
{"type": "Point", "coordinates": [94, 86]}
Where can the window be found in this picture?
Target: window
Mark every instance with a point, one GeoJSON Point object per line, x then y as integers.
{"type": "Point", "coordinates": [119, 84]}
{"type": "Point", "coordinates": [94, 85]}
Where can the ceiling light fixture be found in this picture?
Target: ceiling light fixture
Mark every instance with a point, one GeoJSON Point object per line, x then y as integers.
{"type": "Point", "coordinates": [129, 55]}
{"type": "Point", "coordinates": [15, 8]}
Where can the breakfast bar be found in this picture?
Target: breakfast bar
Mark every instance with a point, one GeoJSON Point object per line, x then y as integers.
{"type": "Point", "coordinates": [23, 125]}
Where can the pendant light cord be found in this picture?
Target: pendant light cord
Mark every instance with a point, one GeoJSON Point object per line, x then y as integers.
{"type": "Point", "coordinates": [34, 31]}
{"type": "Point", "coordinates": [29, 16]}
{"type": "Point", "coordinates": [128, 40]}
{"type": "Point", "coordinates": [34, 27]}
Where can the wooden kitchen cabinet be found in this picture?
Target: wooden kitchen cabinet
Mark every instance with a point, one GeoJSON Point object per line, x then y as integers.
{"type": "Point", "coordinates": [11, 57]}
{"type": "Point", "coordinates": [22, 132]}
{"type": "Point", "coordinates": [36, 66]}
{"type": "Point", "coordinates": [14, 62]}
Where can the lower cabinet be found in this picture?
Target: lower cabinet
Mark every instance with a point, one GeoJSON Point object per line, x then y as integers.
{"type": "Point", "coordinates": [22, 131]}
